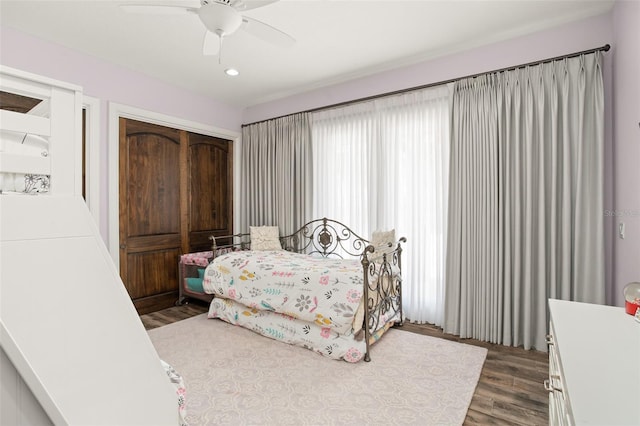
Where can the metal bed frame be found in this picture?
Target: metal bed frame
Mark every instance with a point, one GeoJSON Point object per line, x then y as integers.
{"type": "Point", "coordinates": [382, 287]}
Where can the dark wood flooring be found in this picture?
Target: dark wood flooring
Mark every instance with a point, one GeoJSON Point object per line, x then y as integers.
{"type": "Point", "coordinates": [510, 390]}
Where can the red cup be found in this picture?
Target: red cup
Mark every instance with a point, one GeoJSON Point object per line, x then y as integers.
{"type": "Point", "coordinates": [631, 307]}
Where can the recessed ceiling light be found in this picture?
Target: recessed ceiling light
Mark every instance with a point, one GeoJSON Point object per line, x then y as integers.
{"type": "Point", "coordinates": [231, 71]}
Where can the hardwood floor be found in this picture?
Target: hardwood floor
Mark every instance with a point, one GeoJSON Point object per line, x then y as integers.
{"type": "Point", "coordinates": [510, 390]}
{"type": "Point", "coordinates": [172, 314]}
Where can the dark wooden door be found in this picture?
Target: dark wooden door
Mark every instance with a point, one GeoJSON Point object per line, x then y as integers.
{"type": "Point", "coordinates": [209, 168]}
{"type": "Point", "coordinates": [175, 192]}
{"type": "Point", "coordinates": [150, 213]}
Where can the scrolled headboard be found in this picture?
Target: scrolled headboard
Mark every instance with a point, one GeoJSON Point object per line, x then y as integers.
{"type": "Point", "coordinates": [327, 238]}
{"type": "Point", "coordinates": [324, 237]}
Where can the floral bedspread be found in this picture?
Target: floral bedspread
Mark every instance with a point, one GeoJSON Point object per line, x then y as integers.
{"type": "Point", "coordinates": [323, 291]}
{"type": "Point", "coordinates": [274, 325]}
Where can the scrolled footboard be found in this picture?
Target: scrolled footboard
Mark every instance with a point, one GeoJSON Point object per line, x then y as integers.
{"type": "Point", "coordinates": [382, 291]}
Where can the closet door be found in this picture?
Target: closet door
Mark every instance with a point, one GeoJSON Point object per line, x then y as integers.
{"type": "Point", "coordinates": [175, 192]}
{"type": "Point", "coordinates": [209, 170]}
{"type": "Point", "coordinates": [150, 213]}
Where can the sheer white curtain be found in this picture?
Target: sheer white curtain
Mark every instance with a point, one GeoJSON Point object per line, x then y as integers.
{"type": "Point", "coordinates": [525, 218]}
{"type": "Point", "coordinates": [383, 164]}
{"type": "Point", "coordinates": [344, 145]}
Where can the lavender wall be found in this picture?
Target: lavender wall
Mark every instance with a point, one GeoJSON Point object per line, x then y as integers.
{"type": "Point", "coordinates": [582, 35]}
{"type": "Point", "coordinates": [586, 34]}
{"type": "Point", "coordinates": [111, 83]}
{"type": "Point", "coordinates": [626, 157]}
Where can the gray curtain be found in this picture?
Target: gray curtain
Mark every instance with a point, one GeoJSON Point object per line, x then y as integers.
{"type": "Point", "coordinates": [526, 199]}
{"type": "Point", "coordinates": [275, 173]}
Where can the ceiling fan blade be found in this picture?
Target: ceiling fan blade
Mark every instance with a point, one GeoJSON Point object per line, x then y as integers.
{"type": "Point", "coordinates": [152, 9]}
{"type": "Point", "coordinates": [211, 44]}
{"type": "Point", "coordinates": [267, 32]}
{"type": "Point", "coordinates": [251, 4]}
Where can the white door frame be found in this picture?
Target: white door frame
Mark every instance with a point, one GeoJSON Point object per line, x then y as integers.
{"type": "Point", "coordinates": [116, 111]}
{"type": "Point", "coordinates": [92, 155]}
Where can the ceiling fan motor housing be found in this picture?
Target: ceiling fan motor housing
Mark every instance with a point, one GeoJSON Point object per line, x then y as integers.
{"type": "Point", "coordinates": [219, 18]}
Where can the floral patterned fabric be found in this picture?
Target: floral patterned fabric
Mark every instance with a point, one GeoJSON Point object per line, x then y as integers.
{"type": "Point", "coordinates": [310, 335]}
{"type": "Point", "coordinates": [178, 384]}
{"type": "Point", "coordinates": [199, 258]}
{"type": "Point", "coordinates": [321, 291]}
{"type": "Point", "coordinates": [24, 183]}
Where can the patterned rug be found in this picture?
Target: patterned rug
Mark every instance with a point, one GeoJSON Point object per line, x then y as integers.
{"type": "Point", "coordinates": [234, 376]}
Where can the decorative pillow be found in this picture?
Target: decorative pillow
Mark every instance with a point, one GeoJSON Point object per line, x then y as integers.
{"type": "Point", "coordinates": [195, 284]}
{"type": "Point", "coordinates": [383, 241]}
{"type": "Point", "coordinates": [265, 238]}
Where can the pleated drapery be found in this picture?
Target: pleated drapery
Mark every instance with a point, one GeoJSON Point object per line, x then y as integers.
{"type": "Point", "coordinates": [275, 174]}
{"type": "Point", "coordinates": [381, 165]}
{"type": "Point", "coordinates": [525, 199]}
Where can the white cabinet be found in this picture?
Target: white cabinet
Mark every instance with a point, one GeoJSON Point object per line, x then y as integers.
{"type": "Point", "coordinates": [594, 365]}
{"type": "Point", "coordinates": [558, 407]}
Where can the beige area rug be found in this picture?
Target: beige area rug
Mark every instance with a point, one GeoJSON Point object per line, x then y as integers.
{"type": "Point", "coordinates": [234, 376]}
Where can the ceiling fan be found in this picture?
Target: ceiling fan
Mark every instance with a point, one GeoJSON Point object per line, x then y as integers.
{"type": "Point", "coordinates": [222, 18]}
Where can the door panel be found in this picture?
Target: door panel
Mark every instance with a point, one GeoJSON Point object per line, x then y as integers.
{"type": "Point", "coordinates": [154, 186]}
{"type": "Point", "coordinates": [210, 190]}
{"type": "Point", "coordinates": [152, 273]}
{"type": "Point", "coordinates": [150, 226]}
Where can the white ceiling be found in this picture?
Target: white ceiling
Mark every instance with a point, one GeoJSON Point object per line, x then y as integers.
{"type": "Point", "coordinates": [337, 40]}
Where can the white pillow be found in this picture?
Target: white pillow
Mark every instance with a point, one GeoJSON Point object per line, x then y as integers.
{"type": "Point", "coordinates": [383, 242]}
{"type": "Point", "coordinates": [265, 238]}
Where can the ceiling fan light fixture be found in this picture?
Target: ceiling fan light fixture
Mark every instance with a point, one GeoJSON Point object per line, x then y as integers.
{"type": "Point", "coordinates": [220, 18]}
{"type": "Point", "coordinates": [231, 72]}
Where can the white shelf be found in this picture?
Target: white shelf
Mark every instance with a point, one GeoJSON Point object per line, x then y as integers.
{"type": "Point", "coordinates": [16, 163]}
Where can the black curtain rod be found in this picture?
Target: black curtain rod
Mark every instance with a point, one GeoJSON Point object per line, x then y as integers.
{"type": "Point", "coordinates": [604, 48]}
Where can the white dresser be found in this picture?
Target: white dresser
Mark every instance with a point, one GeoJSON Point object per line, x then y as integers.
{"type": "Point", "coordinates": [594, 365]}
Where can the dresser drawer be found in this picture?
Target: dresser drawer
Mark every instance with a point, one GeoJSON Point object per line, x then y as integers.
{"type": "Point", "coordinates": [558, 408]}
